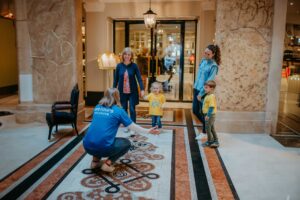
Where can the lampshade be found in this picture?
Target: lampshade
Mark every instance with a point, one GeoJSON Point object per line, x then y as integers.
{"type": "Point", "coordinates": [6, 9]}
{"type": "Point", "coordinates": [150, 18]}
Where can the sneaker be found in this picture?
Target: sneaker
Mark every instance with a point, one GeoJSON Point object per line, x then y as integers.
{"type": "Point", "coordinates": [215, 144]}
{"type": "Point", "coordinates": [206, 144]}
{"type": "Point", "coordinates": [198, 137]}
{"type": "Point", "coordinates": [107, 168]}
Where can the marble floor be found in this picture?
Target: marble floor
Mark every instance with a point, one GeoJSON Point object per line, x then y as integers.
{"type": "Point", "coordinates": [172, 165]}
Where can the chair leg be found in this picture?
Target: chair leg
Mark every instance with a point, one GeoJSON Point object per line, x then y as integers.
{"type": "Point", "coordinates": [75, 128]}
{"type": "Point", "coordinates": [56, 128]}
{"type": "Point", "coordinates": [50, 131]}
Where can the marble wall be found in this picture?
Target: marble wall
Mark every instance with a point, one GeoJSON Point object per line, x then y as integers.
{"type": "Point", "coordinates": [244, 33]}
{"type": "Point", "coordinates": [50, 29]}
{"type": "Point", "coordinates": [49, 45]}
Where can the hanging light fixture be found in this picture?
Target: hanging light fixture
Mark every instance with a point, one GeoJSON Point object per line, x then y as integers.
{"type": "Point", "coordinates": [150, 17]}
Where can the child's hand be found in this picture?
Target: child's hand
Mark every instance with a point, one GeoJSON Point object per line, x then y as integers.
{"type": "Point", "coordinates": [199, 98]}
{"type": "Point", "coordinates": [206, 118]}
{"type": "Point", "coordinates": [154, 131]}
{"type": "Point", "coordinates": [142, 93]}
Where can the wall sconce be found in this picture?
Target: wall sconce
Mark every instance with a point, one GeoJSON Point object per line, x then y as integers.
{"type": "Point", "coordinates": [6, 9]}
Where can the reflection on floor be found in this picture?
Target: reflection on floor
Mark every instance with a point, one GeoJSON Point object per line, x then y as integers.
{"type": "Point", "coordinates": [288, 127]}
{"type": "Point", "coordinates": [172, 165]}
{"type": "Point", "coordinates": [9, 100]}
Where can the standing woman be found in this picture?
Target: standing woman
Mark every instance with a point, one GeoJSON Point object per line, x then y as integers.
{"type": "Point", "coordinates": [127, 77]}
{"type": "Point", "coordinates": [208, 69]}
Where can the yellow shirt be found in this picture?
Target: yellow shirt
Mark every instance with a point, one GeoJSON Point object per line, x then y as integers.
{"type": "Point", "coordinates": [155, 103]}
{"type": "Point", "coordinates": [209, 101]}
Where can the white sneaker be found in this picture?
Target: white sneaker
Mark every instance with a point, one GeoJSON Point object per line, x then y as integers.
{"type": "Point", "coordinates": [199, 137]}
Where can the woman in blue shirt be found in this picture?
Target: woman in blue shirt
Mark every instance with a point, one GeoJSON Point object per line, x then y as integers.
{"type": "Point", "coordinates": [127, 78]}
{"type": "Point", "coordinates": [208, 69]}
{"type": "Point", "coordinates": [100, 139]}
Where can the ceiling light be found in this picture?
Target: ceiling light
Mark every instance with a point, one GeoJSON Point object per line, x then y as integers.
{"type": "Point", "coordinates": [150, 17]}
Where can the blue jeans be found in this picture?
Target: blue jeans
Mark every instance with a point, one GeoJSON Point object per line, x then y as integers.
{"type": "Point", "coordinates": [197, 109]}
{"type": "Point", "coordinates": [117, 149]}
{"type": "Point", "coordinates": [124, 103]}
{"type": "Point", "coordinates": [156, 121]}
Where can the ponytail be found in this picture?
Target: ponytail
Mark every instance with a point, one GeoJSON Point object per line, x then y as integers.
{"type": "Point", "coordinates": [216, 51]}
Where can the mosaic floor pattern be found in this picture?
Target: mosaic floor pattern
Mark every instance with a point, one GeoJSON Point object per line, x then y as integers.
{"type": "Point", "coordinates": [165, 166]}
{"type": "Point", "coordinates": [145, 170]}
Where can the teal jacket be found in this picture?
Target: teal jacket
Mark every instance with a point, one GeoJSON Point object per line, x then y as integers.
{"type": "Point", "coordinates": [208, 70]}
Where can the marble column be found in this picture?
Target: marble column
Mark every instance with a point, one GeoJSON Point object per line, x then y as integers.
{"type": "Point", "coordinates": [49, 54]}
{"type": "Point", "coordinates": [244, 34]}
{"type": "Point", "coordinates": [274, 79]}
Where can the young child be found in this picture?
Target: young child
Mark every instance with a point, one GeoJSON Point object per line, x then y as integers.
{"type": "Point", "coordinates": [156, 100]}
{"type": "Point", "coordinates": [209, 110]}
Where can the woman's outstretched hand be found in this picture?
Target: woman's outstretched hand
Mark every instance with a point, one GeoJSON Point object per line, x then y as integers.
{"type": "Point", "coordinates": [154, 131]}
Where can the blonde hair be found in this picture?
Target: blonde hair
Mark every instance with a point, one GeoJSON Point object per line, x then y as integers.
{"type": "Point", "coordinates": [156, 84]}
{"type": "Point", "coordinates": [111, 97]}
{"type": "Point", "coordinates": [127, 50]}
{"type": "Point", "coordinates": [211, 84]}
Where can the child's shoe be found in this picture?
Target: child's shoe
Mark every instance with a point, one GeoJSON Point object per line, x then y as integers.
{"type": "Point", "coordinates": [207, 144]}
{"type": "Point", "coordinates": [199, 137]}
{"type": "Point", "coordinates": [215, 144]}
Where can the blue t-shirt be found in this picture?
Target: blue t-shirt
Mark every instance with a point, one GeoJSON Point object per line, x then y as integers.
{"type": "Point", "coordinates": [103, 129]}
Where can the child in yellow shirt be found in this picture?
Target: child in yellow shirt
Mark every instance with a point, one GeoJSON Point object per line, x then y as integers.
{"type": "Point", "coordinates": [209, 110]}
{"type": "Point", "coordinates": [156, 100]}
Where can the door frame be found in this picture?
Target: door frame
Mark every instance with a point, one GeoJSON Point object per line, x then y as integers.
{"type": "Point", "coordinates": [182, 39]}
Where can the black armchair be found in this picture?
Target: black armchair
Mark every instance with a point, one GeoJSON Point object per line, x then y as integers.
{"type": "Point", "coordinates": [64, 112]}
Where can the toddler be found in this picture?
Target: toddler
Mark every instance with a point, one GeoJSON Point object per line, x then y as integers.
{"type": "Point", "coordinates": [209, 110]}
{"type": "Point", "coordinates": [156, 100]}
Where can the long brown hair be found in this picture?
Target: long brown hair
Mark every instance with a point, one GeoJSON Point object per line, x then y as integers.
{"type": "Point", "coordinates": [215, 49]}
{"type": "Point", "coordinates": [111, 97]}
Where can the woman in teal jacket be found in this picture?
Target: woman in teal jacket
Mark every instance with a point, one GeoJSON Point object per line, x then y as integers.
{"type": "Point", "coordinates": [208, 69]}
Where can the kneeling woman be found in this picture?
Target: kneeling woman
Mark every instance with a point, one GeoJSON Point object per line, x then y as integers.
{"type": "Point", "coordinates": [100, 140]}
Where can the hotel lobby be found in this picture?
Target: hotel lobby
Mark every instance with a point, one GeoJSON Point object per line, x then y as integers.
{"type": "Point", "coordinates": [61, 56]}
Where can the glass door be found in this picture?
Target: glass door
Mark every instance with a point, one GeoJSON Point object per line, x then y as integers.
{"type": "Point", "coordinates": [168, 52]}
{"type": "Point", "coordinates": [172, 63]}
{"type": "Point", "coordinates": [140, 43]}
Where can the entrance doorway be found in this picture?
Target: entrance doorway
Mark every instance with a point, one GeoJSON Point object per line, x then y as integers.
{"type": "Point", "coordinates": [172, 62]}
{"type": "Point", "coordinates": [288, 124]}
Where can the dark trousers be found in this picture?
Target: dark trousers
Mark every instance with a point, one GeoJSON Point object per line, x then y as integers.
{"type": "Point", "coordinates": [156, 121]}
{"type": "Point", "coordinates": [118, 149]}
{"type": "Point", "coordinates": [210, 129]}
{"type": "Point", "coordinates": [197, 110]}
{"type": "Point", "coordinates": [124, 102]}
